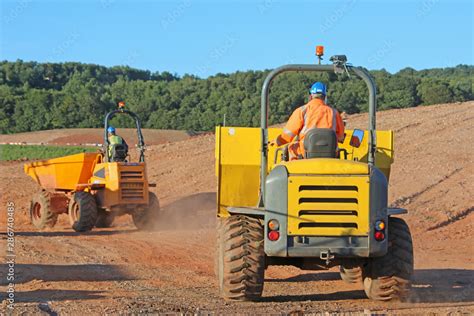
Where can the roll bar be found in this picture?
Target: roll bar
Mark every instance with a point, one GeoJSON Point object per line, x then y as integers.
{"type": "Point", "coordinates": [141, 143]}
{"type": "Point", "coordinates": [336, 68]}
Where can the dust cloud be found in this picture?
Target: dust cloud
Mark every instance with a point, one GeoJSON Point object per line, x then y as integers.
{"type": "Point", "coordinates": [193, 212]}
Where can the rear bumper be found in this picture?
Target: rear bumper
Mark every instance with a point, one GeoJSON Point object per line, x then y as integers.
{"type": "Point", "coordinates": [340, 246]}
{"type": "Point", "coordinates": [320, 246]}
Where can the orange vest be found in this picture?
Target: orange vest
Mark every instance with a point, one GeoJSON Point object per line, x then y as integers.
{"type": "Point", "coordinates": [314, 114]}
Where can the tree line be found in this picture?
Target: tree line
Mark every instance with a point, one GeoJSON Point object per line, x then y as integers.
{"type": "Point", "coordinates": [39, 96]}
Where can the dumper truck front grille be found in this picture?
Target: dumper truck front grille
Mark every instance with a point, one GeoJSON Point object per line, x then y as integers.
{"type": "Point", "coordinates": [132, 185]}
{"type": "Point", "coordinates": [327, 209]}
{"type": "Point", "coordinates": [138, 175]}
{"type": "Point", "coordinates": [131, 192]}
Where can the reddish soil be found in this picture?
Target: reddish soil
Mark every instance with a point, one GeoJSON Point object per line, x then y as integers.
{"type": "Point", "coordinates": [92, 136]}
{"type": "Point", "coordinates": [119, 269]}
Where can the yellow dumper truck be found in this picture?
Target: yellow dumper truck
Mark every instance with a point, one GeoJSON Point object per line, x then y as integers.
{"type": "Point", "coordinates": [328, 209]}
{"type": "Point", "coordinates": [93, 188]}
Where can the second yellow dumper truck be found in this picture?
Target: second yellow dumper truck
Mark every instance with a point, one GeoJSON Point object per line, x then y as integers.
{"type": "Point", "coordinates": [93, 188]}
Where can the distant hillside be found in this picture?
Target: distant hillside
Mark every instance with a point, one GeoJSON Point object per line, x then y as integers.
{"type": "Point", "coordinates": [83, 136]}
{"type": "Point", "coordinates": [40, 96]}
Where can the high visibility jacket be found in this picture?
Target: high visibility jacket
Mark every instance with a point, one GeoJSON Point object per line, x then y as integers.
{"type": "Point", "coordinates": [314, 114]}
{"type": "Point", "coordinates": [113, 140]}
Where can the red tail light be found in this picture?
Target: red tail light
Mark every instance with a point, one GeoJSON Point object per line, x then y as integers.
{"type": "Point", "coordinates": [379, 236]}
{"type": "Point", "coordinates": [273, 235]}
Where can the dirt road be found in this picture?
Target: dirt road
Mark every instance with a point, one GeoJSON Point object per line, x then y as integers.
{"type": "Point", "coordinates": [122, 270]}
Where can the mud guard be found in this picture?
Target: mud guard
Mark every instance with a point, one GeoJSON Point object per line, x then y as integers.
{"type": "Point", "coordinates": [396, 211]}
{"type": "Point", "coordinates": [252, 211]}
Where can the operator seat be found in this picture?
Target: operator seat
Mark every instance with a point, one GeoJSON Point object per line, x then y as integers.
{"type": "Point", "coordinates": [118, 152]}
{"type": "Point", "coordinates": [320, 143]}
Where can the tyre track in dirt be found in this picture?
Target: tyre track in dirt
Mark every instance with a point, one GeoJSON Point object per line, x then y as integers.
{"type": "Point", "coordinates": [404, 200]}
{"type": "Point", "coordinates": [460, 215]}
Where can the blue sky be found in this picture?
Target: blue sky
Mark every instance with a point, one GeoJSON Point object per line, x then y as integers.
{"type": "Point", "coordinates": [207, 37]}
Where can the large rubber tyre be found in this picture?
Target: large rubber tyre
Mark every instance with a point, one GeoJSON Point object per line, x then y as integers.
{"type": "Point", "coordinates": [147, 218]}
{"type": "Point", "coordinates": [351, 275]}
{"type": "Point", "coordinates": [240, 258]}
{"type": "Point", "coordinates": [82, 211]}
{"type": "Point", "coordinates": [389, 277]}
{"type": "Point", "coordinates": [40, 211]}
{"type": "Point", "coordinates": [104, 218]}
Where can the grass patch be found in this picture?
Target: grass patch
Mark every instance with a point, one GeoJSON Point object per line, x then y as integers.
{"type": "Point", "coordinates": [32, 152]}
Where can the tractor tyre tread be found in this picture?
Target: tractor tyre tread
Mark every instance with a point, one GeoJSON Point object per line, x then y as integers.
{"type": "Point", "coordinates": [389, 277]}
{"type": "Point", "coordinates": [48, 219]}
{"type": "Point", "coordinates": [351, 275]}
{"type": "Point", "coordinates": [241, 274]}
{"type": "Point", "coordinates": [145, 220]}
{"type": "Point", "coordinates": [88, 211]}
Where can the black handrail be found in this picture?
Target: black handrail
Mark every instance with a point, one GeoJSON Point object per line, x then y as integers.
{"type": "Point", "coordinates": [265, 106]}
{"type": "Point", "coordinates": [141, 143]}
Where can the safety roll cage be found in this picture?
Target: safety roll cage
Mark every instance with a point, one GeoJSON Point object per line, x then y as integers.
{"type": "Point", "coordinates": [336, 68]}
{"type": "Point", "coordinates": [141, 143]}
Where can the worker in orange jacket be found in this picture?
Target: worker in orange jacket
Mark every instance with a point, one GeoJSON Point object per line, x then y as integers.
{"type": "Point", "coordinates": [314, 114]}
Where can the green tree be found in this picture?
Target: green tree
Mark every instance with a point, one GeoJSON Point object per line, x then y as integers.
{"type": "Point", "coordinates": [36, 96]}
{"type": "Point", "coordinates": [434, 91]}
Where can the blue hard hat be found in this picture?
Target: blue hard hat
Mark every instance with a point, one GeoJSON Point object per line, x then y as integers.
{"type": "Point", "coordinates": [111, 129]}
{"type": "Point", "coordinates": [318, 88]}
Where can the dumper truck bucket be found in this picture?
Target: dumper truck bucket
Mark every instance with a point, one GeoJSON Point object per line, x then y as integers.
{"type": "Point", "coordinates": [63, 173]}
{"type": "Point", "coordinates": [238, 164]}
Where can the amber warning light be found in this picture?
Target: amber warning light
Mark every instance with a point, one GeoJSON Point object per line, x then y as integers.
{"type": "Point", "coordinates": [121, 104]}
{"type": "Point", "coordinates": [319, 53]}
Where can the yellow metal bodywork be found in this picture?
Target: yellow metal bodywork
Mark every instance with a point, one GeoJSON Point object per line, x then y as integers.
{"type": "Point", "coordinates": [63, 173]}
{"type": "Point", "coordinates": [125, 183]}
{"type": "Point", "coordinates": [113, 183]}
{"type": "Point", "coordinates": [326, 166]}
{"type": "Point", "coordinates": [238, 164]}
{"type": "Point", "coordinates": [328, 205]}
